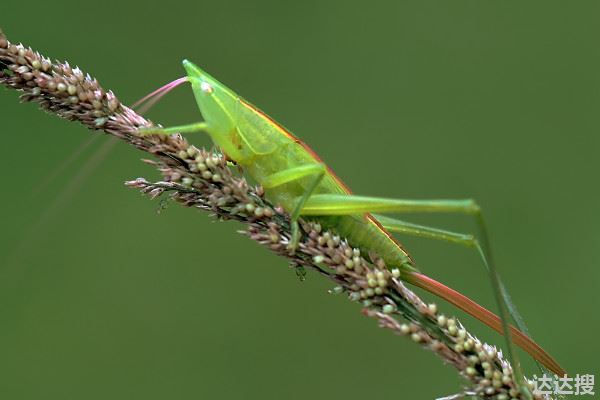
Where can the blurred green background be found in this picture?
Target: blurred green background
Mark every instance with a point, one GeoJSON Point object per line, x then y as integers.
{"type": "Point", "coordinates": [101, 298]}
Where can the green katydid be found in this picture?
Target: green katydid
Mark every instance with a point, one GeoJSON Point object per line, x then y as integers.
{"type": "Point", "coordinates": [295, 178]}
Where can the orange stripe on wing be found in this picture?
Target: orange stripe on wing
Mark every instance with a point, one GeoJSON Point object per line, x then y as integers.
{"type": "Point", "coordinates": [306, 147]}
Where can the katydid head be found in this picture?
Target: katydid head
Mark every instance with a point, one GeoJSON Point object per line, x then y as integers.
{"type": "Point", "coordinates": [217, 104]}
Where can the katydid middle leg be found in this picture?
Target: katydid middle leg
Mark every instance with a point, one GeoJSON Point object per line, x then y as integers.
{"type": "Point", "coordinates": [294, 174]}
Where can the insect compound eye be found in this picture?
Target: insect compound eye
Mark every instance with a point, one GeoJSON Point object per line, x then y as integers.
{"type": "Point", "coordinates": [206, 87]}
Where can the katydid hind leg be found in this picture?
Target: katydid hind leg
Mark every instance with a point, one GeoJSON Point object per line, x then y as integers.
{"type": "Point", "coordinates": [468, 240]}
{"type": "Point", "coordinates": [407, 228]}
{"type": "Point", "coordinates": [333, 204]}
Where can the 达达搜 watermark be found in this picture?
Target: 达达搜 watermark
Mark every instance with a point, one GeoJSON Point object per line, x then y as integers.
{"type": "Point", "coordinates": [579, 385]}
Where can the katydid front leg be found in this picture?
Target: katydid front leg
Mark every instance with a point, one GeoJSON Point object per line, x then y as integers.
{"type": "Point", "coordinates": [189, 128]}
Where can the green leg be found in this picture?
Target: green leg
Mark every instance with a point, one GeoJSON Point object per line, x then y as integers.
{"type": "Point", "coordinates": [293, 174]}
{"type": "Point", "coordinates": [408, 228]}
{"type": "Point", "coordinates": [196, 127]}
{"type": "Point", "coordinates": [340, 204]}
{"type": "Point", "coordinates": [331, 204]}
{"type": "Point", "coordinates": [396, 225]}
